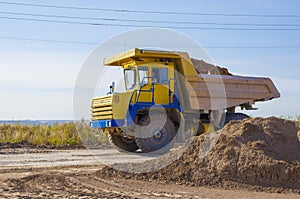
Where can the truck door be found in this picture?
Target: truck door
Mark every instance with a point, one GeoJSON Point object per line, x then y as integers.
{"type": "Point", "coordinates": [161, 78]}
{"type": "Point", "coordinates": [145, 94]}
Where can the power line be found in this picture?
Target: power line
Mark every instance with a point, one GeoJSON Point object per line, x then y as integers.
{"type": "Point", "coordinates": [119, 44]}
{"type": "Point", "coordinates": [149, 26]}
{"type": "Point", "coordinates": [152, 12]}
{"type": "Point", "coordinates": [48, 40]}
{"type": "Point", "coordinates": [252, 47]}
{"type": "Point", "coordinates": [146, 21]}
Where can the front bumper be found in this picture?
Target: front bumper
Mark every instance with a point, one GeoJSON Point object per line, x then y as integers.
{"type": "Point", "coordinates": [107, 123]}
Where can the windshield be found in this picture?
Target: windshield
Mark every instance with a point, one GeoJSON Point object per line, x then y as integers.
{"type": "Point", "coordinates": [130, 78]}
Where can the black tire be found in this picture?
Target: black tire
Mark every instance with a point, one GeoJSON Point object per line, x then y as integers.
{"type": "Point", "coordinates": [163, 136]}
{"type": "Point", "coordinates": [235, 116]}
{"type": "Point", "coordinates": [123, 143]}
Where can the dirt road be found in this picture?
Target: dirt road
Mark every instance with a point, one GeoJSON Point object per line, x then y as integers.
{"type": "Point", "coordinates": [32, 173]}
{"type": "Point", "coordinates": [51, 157]}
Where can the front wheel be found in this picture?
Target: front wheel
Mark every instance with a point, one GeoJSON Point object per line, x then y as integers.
{"type": "Point", "coordinates": [161, 131]}
{"type": "Point", "coordinates": [124, 143]}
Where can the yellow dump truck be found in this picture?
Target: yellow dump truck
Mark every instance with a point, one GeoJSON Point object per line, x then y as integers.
{"type": "Point", "coordinates": [164, 93]}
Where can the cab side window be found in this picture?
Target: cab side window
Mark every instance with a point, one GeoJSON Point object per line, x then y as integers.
{"type": "Point", "coordinates": [160, 75]}
{"type": "Point", "coordinates": [130, 78]}
{"type": "Point", "coordinates": [143, 75]}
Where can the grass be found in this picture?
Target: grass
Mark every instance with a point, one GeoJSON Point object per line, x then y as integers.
{"type": "Point", "coordinates": [298, 122]}
{"type": "Point", "coordinates": [76, 134]}
{"type": "Point", "coordinates": [71, 134]}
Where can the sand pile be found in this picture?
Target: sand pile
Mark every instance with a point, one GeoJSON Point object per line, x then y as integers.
{"type": "Point", "coordinates": [255, 152]}
{"type": "Point", "coordinates": [206, 68]}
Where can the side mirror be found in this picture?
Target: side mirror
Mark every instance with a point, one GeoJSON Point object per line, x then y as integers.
{"type": "Point", "coordinates": [111, 88]}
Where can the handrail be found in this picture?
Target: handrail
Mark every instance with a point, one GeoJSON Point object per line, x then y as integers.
{"type": "Point", "coordinates": [169, 85]}
{"type": "Point", "coordinates": [132, 96]}
{"type": "Point", "coordinates": [152, 90]}
{"type": "Point", "coordinates": [140, 90]}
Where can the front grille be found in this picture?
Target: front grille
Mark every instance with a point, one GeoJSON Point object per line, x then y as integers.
{"type": "Point", "coordinates": [101, 108]}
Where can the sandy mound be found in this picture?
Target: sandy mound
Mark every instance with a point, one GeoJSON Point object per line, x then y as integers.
{"type": "Point", "coordinates": [206, 68]}
{"type": "Point", "coordinates": [255, 152]}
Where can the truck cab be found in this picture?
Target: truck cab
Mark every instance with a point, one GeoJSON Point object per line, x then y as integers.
{"type": "Point", "coordinates": [149, 83]}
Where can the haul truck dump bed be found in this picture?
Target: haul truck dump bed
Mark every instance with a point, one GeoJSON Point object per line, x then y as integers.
{"type": "Point", "coordinates": [165, 95]}
{"type": "Point", "coordinates": [215, 92]}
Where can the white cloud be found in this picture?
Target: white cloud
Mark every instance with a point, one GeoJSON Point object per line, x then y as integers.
{"type": "Point", "coordinates": [38, 70]}
{"type": "Point", "coordinates": [36, 105]}
{"type": "Point", "coordinates": [38, 84]}
{"type": "Point", "coordinates": [288, 85]}
{"type": "Point", "coordinates": [286, 105]}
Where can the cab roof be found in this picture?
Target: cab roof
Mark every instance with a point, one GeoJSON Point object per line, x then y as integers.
{"type": "Point", "coordinates": [138, 55]}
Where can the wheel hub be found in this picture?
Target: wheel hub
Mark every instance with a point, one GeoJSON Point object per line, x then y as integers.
{"type": "Point", "coordinates": [157, 134]}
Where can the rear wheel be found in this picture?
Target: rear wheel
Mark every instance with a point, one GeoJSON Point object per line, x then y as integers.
{"type": "Point", "coordinates": [235, 116]}
{"type": "Point", "coordinates": [123, 143]}
{"type": "Point", "coordinates": [161, 131]}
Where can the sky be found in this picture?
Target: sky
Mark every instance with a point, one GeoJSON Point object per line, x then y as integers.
{"type": "Point", "coordinates": [40, 59]}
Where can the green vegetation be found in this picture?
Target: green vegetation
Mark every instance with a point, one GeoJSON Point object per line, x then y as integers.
{"type": "Point", "coordinates": [74, 134]}
{"type": "Point", "coordinates": [71, 134]}
{"type": "Point", "coordinates": [90, 136]}
{"type": "Point", "coordinates": [288, 117]}
{"type": "Point", "coordinates": [298, 123]}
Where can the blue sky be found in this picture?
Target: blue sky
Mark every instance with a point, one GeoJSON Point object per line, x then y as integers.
{"type": "Point", "coordinates": [37, 78]}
